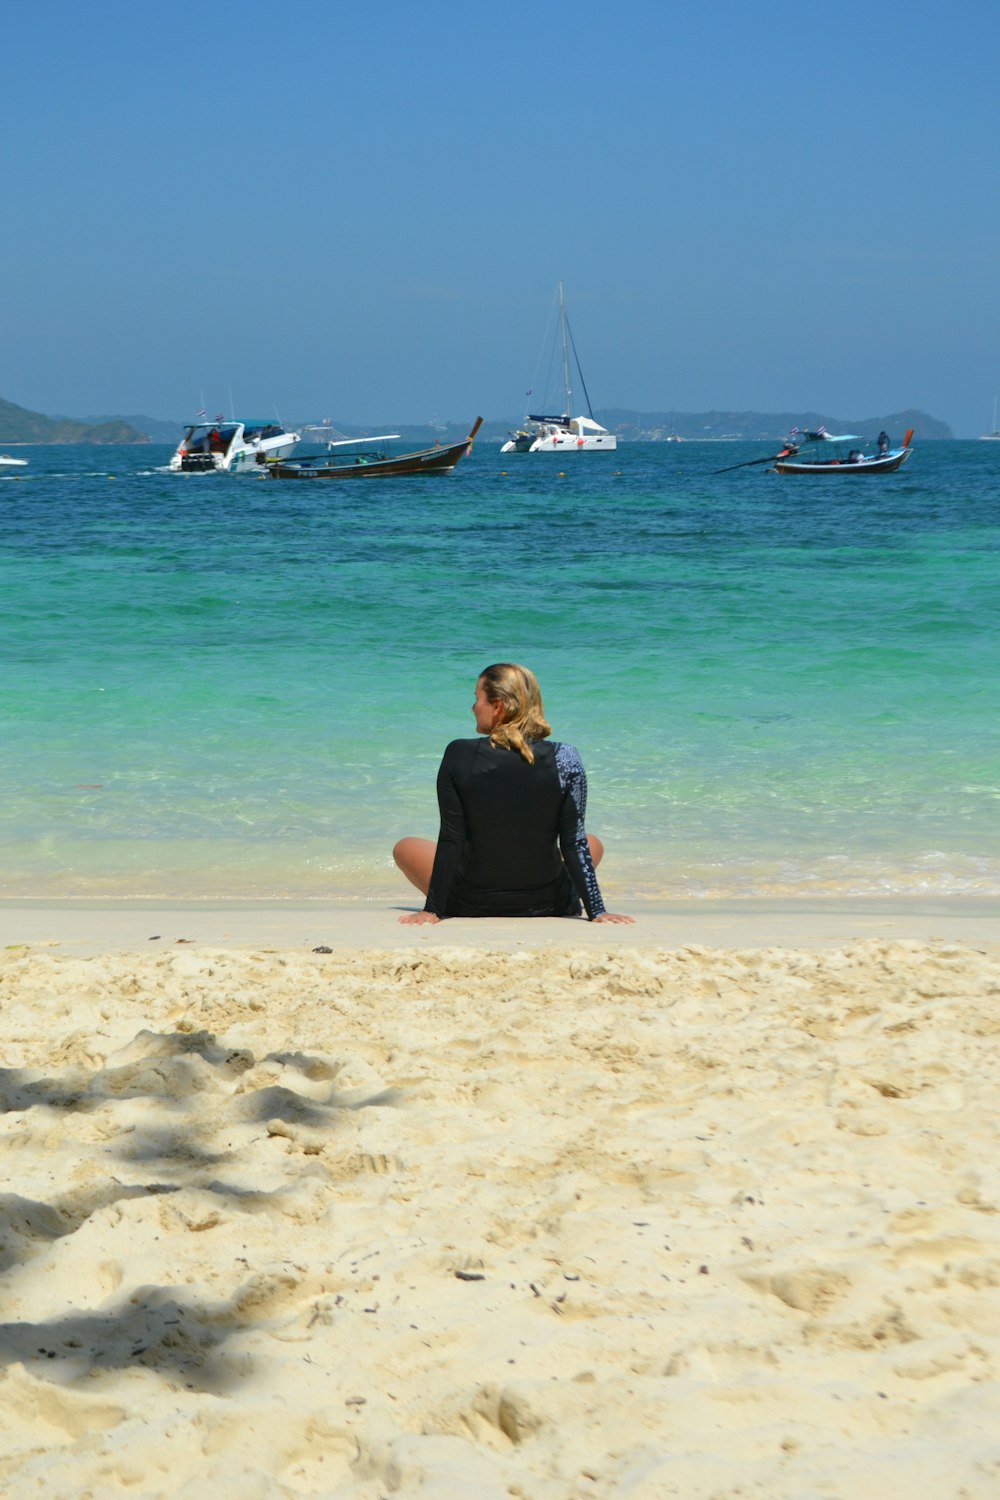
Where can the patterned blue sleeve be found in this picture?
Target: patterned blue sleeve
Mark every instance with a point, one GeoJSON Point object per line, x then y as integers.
{"type": "Point", "coordinates": [572, 830]}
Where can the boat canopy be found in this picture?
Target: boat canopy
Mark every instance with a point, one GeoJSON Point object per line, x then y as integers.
{"type": "Point", "coordinates": [585, 424]}
{"type": "Point", "coordinates": [244, 422]}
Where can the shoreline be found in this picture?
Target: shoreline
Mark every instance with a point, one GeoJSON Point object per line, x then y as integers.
{"type": "Point", "coordinates": [86, 926]}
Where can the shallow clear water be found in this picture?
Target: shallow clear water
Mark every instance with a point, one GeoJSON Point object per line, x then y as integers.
{"type": "Point", "coordinates": [221, 686]}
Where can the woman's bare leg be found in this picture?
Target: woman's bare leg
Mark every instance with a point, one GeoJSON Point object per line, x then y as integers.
{"type": "Point", "coordinates": [415, 857]}
{"type": "Point", "coordinates": [596, 849]}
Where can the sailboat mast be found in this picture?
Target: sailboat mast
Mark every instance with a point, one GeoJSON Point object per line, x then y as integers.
{"type": "Point", "coordinates": [565, 352]}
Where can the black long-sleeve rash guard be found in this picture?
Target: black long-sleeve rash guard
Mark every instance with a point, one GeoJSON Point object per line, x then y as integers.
{"type": "Point", "coordinates": [512, 840]}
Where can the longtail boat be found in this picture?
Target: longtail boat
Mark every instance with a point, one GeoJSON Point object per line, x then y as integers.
{"type": "Point", "coordinates": [854, 461]}
{"type": "Point", "coordinates": [353, 461]}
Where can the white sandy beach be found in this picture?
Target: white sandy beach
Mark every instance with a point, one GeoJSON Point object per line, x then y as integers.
{"type": "Point", "coordinates": [706, 1208]}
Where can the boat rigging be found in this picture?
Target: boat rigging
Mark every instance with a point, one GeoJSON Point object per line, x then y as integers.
{"type": "Point", "coordinates": [543, 433]}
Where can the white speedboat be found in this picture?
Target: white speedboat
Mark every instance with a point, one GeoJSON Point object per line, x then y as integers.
{"type": "Point", "coordinates": [14, 463]}
{"type": "Point", "coordinates": [563, 433]}
{"type": "Point", "coordinates": [234, 447]}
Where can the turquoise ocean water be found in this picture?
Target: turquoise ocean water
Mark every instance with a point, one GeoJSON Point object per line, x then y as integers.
{"type": "Point", "coordinates": [232, 687]}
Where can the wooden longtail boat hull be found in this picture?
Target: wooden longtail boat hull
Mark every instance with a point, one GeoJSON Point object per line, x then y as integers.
{"type": "Point", "coordinates": [375, 466]}
{"type": "Point", "coordinates": [886, 464]}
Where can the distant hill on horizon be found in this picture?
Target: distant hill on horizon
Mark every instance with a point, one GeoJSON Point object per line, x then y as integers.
{"type": "Point", "coordinates": [18, 425]}
{"type": "Point", "coordinates": [151, 429]}
{"type": "Point", "coordinates": [658, 426]}
{"type": "Point", "coordinates": [766, 426]}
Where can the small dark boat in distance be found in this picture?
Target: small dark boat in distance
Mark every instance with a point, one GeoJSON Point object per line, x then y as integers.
{"type": "Point", "coordinates": [355, 463]}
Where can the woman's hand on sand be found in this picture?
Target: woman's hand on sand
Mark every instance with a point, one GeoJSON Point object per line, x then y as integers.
{"type": "Point", "coordinates": [414, 917]}
{"type": "Point", "coordinates": [613, 916]}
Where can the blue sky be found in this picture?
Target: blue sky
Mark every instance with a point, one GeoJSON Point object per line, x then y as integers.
{"type": "Point", "coordinates": [363, 213]}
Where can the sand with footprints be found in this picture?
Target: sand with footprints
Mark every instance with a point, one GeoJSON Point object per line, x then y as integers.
{"type": "Point", "coordinates": [651, 1222]}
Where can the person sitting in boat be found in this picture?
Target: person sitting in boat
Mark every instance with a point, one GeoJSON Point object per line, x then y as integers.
{"type": "Point", "coordinates": [855, 456]}
{"type": "Point", "coordinates": [512, 841]}
{"type": "Point", "coordinates": [883, 442]}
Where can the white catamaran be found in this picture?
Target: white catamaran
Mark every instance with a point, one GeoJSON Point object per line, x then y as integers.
{"type": "Point", "coordinates": [994, 436]}
{"type": "Point", "coordinates": [563, 433]}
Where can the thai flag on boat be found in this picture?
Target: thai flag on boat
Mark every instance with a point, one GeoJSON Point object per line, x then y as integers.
{"type": "Point", "coordinates": [202, 412]}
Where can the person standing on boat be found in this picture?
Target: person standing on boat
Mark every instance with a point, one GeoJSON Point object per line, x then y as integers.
{"type": "Point", "coordinates": [883, 442]}
{"type": "Point", "coordinates": [512, 841]}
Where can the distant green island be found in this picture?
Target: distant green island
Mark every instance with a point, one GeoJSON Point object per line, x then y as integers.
{"type": "Point", "coordinates": [18, 425]}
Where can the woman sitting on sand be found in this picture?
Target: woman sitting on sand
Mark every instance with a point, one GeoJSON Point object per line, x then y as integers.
{"type": "Point", "coordinates": [512, 840]}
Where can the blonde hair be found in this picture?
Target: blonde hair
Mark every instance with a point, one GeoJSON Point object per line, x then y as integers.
{"type": "Point", "coordinates": [522, 718]}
